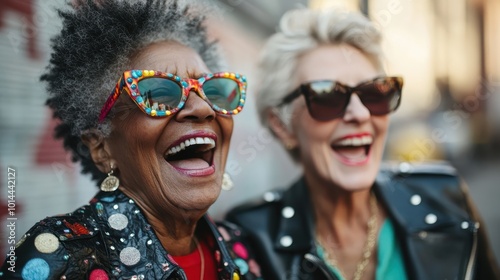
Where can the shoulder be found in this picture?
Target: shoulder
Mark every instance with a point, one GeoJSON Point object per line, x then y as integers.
{"type": "Point", "coordinates": [274, 211]}
{"type": "Point", "coordinates": [238, 246]}
{"type": "Point", "coordinates": [424, 195]}
{"type": "Point", "coordinates": [46, 249]}
{"type": "Point", "coordinates": [66, 228]}
{"type": "Point", "coordinates": [421, 168]}
{"type": "Point", "coordinates": [418, 177]}
{"type": "Point", "coordinates": [258, 210]}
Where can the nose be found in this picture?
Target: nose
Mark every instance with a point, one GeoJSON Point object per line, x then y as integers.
{"type": "Point", "coordinates": [195, 109]}
{"type": "Point", "coordinates": [356, 110]}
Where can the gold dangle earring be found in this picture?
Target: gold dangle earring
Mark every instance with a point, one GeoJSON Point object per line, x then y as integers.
{"type": "Point", "coordinates": [227, 182]}
{"type": "Point", "coordinates": [289, 146]}
{"type": "Point", "coordinates": [111, 182]}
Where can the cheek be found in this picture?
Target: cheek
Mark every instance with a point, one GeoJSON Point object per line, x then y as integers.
{"type": "Point", "coordinates": [134, 133]}
{"type": "Point", "coordinates": [226, 131]}
{"type": "Point", "coordinates": [125, 150]}
{"type": "Point", "coordinates": [313, 136]}
{"type": "Point", "coordinates": [226, 125]}
{"type": "Point", "coordinates": [133, 149]}
{"type": "Point", "coordinates": [310, 131]}
{"type": "Point", "coordinates": [381, 125]}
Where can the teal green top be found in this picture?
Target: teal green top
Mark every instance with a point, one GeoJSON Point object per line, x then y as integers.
{"type": "Point", "coordinates": [390, 261]}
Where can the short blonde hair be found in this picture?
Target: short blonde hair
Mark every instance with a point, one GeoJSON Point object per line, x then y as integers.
{"type": "Point", "coordinates": [302, 30]}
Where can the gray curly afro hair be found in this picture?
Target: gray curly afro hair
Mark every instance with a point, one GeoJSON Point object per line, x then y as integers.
{"type": "Point", "coordinates": [94, 47]}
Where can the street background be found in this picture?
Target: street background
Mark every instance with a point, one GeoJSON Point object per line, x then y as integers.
{"type": "Point", "coordinates": [447, 51]}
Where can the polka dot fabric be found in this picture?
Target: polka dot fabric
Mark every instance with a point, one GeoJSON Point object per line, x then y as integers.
{"type": "Point", "coordinates": [240, 251]}
{"type": "Point", "coordinates": [110, 239]}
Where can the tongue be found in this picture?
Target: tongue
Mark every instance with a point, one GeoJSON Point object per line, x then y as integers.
{"type": "Point", "coordinates": [191, 163]}
{"type": "Point", "coordinates": [351, 153]}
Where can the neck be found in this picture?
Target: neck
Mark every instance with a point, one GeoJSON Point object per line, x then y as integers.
{"type": "Point", "coordinates": [339, 214]}
{"type": "Point", "coordinates": [174, 227]}
{"type": "Point", "coordinates": [177, 238]}
{"type": "Point", "coordinates": [347, 228]}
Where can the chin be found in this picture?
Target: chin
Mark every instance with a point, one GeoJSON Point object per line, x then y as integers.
{"type": "Point", "coordinates": [354, 185]}
{"type": "Point", "coordinates": [207, 195]}
{"type": "Point", "coordinates": [355, 179]}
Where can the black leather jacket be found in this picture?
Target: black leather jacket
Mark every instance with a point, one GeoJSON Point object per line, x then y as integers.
{"type": "Point", "coordinates": [439, 234]}
{"type": "Point", "coordinates": [111, 239]}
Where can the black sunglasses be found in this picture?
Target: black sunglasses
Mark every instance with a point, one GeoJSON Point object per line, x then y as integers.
{"type": "Point", "coordinates": [327, 99]}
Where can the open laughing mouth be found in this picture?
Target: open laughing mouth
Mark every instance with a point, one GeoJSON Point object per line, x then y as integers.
{"type": "Point", "coordinates": [192, 155]}
{"type": "Point", "coordinates": [353, 150]}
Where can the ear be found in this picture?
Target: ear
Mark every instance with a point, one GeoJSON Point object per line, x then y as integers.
{"type": "Point", "coordinates": [281, 130]}
{"type": "Point", "coordinates": [99, 150]}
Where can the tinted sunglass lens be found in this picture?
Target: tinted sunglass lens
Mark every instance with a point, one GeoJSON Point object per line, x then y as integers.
{"type": "Point", "coordinates": [160, 94]}
{"type": "Point", "coordinates": [223, 92]}
{"type": "Point", "coordinates": [326, 99]}
{"type": "Point", "coordinates": [381, 97]}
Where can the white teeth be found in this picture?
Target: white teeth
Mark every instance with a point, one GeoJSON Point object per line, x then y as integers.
{"type": "Point", "coordinates": [367, 140]}
{"type": "Point", "coordinates": [190, 142]}
{"type": "Point", "coordinates": [356, 141]}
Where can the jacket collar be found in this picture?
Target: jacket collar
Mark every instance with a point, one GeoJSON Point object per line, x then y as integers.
{"type": "Point", "coordinates": [422, 202]}
{"type": "Point", "coordinates": [296, 224]}
{"type": "Point", "coordinates": [132, 243]}
{"type": "Point", "coordinates": [413, 208]}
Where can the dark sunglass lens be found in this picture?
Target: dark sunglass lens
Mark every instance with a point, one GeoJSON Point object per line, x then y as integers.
{"type": "Point", "coordinates": [160, 94]}
{"type": "Point", "coordinates": [223, 92]}
{"type": "Point", "coordinates": [326, 99]}
{"type": "Point", "coordinates": [381, 97]}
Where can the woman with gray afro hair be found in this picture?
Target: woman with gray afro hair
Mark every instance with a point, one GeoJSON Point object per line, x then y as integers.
{"type": "Point", "coordinates": [97, 41]}
{"type": "Point", "coordinates": [142, 104]}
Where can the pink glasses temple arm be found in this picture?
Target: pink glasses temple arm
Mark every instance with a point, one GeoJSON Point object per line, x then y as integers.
{"type": "Point", "coordinates": [109, 102]}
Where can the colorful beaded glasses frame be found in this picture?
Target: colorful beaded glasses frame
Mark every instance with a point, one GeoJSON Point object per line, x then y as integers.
{"type": "Point", "coordinates": [160, 94]}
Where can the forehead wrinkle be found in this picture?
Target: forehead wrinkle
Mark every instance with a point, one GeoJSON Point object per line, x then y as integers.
{"type": "Point", "coordinates": [196, 74]}
{"type": "Point", "coordinates": [171, 70]}
{"type": "Point", "coordinates": [171, 58]}
{"type": "Point", "coordinates": [187, 71]}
